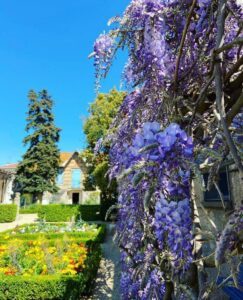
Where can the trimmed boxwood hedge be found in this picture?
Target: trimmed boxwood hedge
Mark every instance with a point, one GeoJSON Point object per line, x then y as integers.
{"type": "Point", "coordinates": [50, 287]}
{"type": "Point", "coordinates": [8, 213]}
{"type": "Point", "coordinates": [58, 212]}
{"type": "Point", "coordinates": [90, 212]}
{"type": "Point", "coordinates": [30, 209]}
{"type": "Point", "coordinates": [82, 237]}
{"type": "Point", "coordinates": [63, 213]}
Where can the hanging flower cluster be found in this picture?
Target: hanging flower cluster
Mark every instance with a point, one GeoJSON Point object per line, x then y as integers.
{"type": "Point", "coordinates": [103, 52]}
{"type": "Point", "coordinates": [154, 30]}
{"type": "Point", "coordinates": [155, 213]}
{"type": "Point", "coordinates": [173, 219]}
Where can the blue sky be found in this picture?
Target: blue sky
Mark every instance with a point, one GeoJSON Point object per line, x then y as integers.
{"type": "Point", "coordinates": [45, 44]}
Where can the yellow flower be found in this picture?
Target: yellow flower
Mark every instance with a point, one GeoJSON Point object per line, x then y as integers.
{"type": "Point", "coordinates": [52, 250]}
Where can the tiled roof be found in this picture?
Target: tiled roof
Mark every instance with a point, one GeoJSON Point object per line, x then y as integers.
{"type": "Point", "coordinates": [9, 167]}
{"type": "Point", "coordinates": [65, 156]}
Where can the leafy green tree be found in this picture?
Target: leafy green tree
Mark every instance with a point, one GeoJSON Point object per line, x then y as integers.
{"type": "Point", "coordinates": [102, 112]}
{"type": "Point", "coordinates": [37, 171]}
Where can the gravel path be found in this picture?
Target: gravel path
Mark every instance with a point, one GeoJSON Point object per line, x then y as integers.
{"type": "Point", "coordinates": [21, 219]}
{"type": "Point", "coordinates": [108, 277]}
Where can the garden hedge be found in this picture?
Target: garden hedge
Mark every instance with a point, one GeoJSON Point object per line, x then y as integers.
{"type": "Point", "coordinates": [50, 287]}
{"type": "Point", "coordinates": [90, 212]}
{"type": "Point", "coordinates": [8, 213]}
{"type": "Point", "coordinates": [30, 209]}
{"type": "Point", "coordinates": [83, 237]}
{"type": "Point", "coordinates": [63, 213]}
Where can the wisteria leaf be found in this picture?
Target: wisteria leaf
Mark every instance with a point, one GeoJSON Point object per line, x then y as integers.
{"type": "Point", "coordinates": [147, 197]}
{"type": "Point", "coordinates": [137, 178]}
{"type": "Point", "coordinates": [149, 147]}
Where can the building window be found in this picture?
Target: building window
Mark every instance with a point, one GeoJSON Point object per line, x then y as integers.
{"type": "Point", "coordinates": [211, 197]}
{"type": "Point", "coordinates": [76, 178]}
{"type": "Point", "coordinates": [60, 177]}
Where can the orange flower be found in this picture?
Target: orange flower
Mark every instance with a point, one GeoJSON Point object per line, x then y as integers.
{"type": "Point", "coordinates": [10, 272]}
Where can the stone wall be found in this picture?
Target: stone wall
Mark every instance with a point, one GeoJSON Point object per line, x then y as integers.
{"type": "Point", "coordinates": [216, 214]}
{"type": "Point", "coordinates": [210, 221]}
{"type": "Point", "coordinates": [236, 186]}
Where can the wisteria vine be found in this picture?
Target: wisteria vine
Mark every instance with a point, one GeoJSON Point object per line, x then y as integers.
{"type": "Point", "coordinates": [171, 48]}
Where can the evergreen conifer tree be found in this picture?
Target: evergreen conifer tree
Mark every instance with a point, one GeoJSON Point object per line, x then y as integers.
{"type": "Point", "coordinates": [37, 171]}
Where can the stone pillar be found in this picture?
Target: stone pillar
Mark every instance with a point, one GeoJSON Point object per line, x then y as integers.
{"type": "Point", "coordinates": [17, 202]}
{"type": "Point", "coordinates": [17, 199]}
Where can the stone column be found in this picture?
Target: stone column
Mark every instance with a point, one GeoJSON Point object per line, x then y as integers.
{"type": "Point", "coordinates": [17, 202]}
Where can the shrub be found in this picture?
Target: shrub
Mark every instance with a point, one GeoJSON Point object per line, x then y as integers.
{"type": "Point", "coordinates": [40, 287]}
{"type": "Point", "coordinates": [63, 213]}
{"type": "Point", "coordinates": [58, 212]}
{"type": "Point", "coordinates": [8, 213]}
{"type": "Point", "coordinates": [50, 287]}
{"type": "Point", "coordinates": [90, 212]}
{"type": "Point", "coordinates": [100, 237]}
{"type": "Point", "coordinates": [30, 209]}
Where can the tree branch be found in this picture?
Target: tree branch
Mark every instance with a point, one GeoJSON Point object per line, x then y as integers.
{"type": "Point", "coordinates": [237, 83]}
{"type": "Point", "coordinates": [201, 96]}
{"type": "Point", "coordinates": [234, 110]}
{"type": "Point", "coordinates": [234, 69]}
{"type": "Point", "coordinates": [220, 194]}
{"type": "Point", "coordinates": [183, 41]}
{"type": "Point", "coordinates": [238, 41]}
{"type": "Point", "coordinates": [219, 85]}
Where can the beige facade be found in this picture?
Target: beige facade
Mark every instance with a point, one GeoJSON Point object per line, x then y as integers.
{"type": "Point", "coordinates": [70, 182]}
{"type": "Point", "coordinates": [6, 183]}
{"type": "Point", "coordinates": [210, 219]}
{"type": "Point", "coordinates": [214, 209]}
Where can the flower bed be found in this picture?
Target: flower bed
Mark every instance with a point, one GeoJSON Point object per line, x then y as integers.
{"type": "Point", "coordinates": [43, 227]}
{"type": "Point", "coordinates": [42, 257]}
{"type": "Point", "coordinates": [44, 267]}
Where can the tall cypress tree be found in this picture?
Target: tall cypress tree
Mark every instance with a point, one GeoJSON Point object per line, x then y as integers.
{"type": "Point", "coordinates": [38, 169]}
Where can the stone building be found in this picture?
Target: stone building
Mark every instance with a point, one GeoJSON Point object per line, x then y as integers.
{"type": "Point", "coordinates": [7, 174]}
{"type": "Point", "coordinates": [211, 215]}
{"type": "Point", "coordinates": [69, 180]}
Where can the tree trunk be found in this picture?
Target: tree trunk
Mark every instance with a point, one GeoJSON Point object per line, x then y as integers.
{"type": "Point", "coordinates": [39, 198]}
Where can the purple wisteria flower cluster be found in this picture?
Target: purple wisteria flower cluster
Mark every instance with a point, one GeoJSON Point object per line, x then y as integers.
{"type": "Point", "coordinates": [154, 31]}
{"type": "Point", "coordinates": [103, 52]}
{"type": "Point", "coordinates": [154, 200]}
{"type": "Point", "coordinates": [173, 219]}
